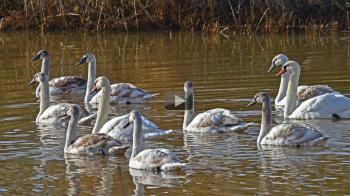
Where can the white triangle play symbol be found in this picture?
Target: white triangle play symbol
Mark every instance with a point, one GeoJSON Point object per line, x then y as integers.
{"type": "Point", "coordinates": [178, 100]}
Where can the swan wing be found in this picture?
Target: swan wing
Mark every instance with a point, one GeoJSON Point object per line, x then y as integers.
{"type": "Point", "coordinates": [216, 117]}
{"type": "Point", "coordinates": [153, 158]}
{"type": "Point", "coordinates": [93, 143]}
{"type": "Point", "coordinates": [292, 134]}
{"type": "Point", "coordinates": [58, 113]}
{"type": "Point", "coordinates": [308, 92]}
{"type": "Point", "coordinates": [115, 127]}
{"type": "Point", "coordinates": [323, 106]}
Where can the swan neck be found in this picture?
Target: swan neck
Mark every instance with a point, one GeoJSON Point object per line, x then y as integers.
{"type": "Point", "coordinates": [103, 109]}
{"type": "Point", "coordinates": [90, 81]}
{"type": "Point", "coordinates": [283, 87]}
{"type": "Point", "coordinates": [44, 97]}
{"type": "Point", "coordinates": [137, 145]}
{"type": "Point", "coordinates": [292, 92]}
{"type": "Point", "coordinates": [189, 109]}
{"type": "Point", "coordinates": [45, 66]}
{"type": "Point", "coordinates": [266, 119]}
{"type": "Point", "coordinates": [71, 131]}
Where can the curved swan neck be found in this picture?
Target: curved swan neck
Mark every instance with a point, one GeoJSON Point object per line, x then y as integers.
{"type": "Point", "coordinates": [266, 119]}
{"type": "Point", "coordinates": [189, 113]}
{"type": "Point", "coordinates": [137, 143]}
{"type": "Point", "coordinates": [103, 109]}
{"type": "Point", "coordinates": [44, 97]}
{"type": "Point", "coordinates": [90, 80]}
{"type": "Point", "coordinates": [45, 66]}
{"type": "Point", "coordinates": [283, 87]}
{"type": "Point", "coordinates": [71, 131]}
{"type": "Point", "coordinates": [292, 91]}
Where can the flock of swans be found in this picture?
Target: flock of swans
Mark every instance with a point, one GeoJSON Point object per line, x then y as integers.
{"type": "Point", "coordinates": [113, 137]}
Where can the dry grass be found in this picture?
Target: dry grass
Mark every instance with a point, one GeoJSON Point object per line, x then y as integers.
{"type": "Point", "coordinates": [214, 16]}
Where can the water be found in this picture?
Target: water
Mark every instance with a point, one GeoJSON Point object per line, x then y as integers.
{"type": "Point", "coordinates": [225, 73]}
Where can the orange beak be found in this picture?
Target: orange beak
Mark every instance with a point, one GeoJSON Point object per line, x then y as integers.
{"type": "Point", "coordinates": [282, 71]}
{"type": "Point", "coordinates": [94, 89]}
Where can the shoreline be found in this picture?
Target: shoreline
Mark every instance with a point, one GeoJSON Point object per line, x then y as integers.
{"type": "Point", "coordinates": [222, 17]}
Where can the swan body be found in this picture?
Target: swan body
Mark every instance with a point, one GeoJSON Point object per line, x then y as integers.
{"type": "Point", "coordinates": [115, 127]}
{"type": "Point", "coordinates": [121, 93]}
{"type": "Point", "coordinates": [304, 92]}
{"type": "Point", "coordinates": [60, 85]}
{"type": "Point", "coordinates": [54, 114]}
{"type": "Point", "coordinates": [328, 105]}
{"type": "Point", "coordinates": [284, 134]}
{"type": "Point", "coordinates": [90, 144]}
{"type": "Point", "coordinates": [324, 106]}
{"type": "Point", "coordinates": [212, 121]}
{"type": "Point", "coordinates": [125, 93]}
{"type": "Point", "coordinates": [150, 159]}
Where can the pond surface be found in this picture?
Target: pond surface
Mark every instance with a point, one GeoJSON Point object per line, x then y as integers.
{"type": "Point", "coordinates": [225, 73]}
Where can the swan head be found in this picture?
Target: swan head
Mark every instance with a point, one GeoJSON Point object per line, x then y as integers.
{"type": "Point", "coordinates": [260, 98]}
{"type": "Point", "coordinates": [132, 117]}
{"type": "Point", "coordinates": [100, 83]}
{"type": "Point", "coordinates": [42, 54]}
{"type": "Point", "coordinates": [289, 67]}
{"type": "Point", "coordinates": [278, 60]}
{"type": "Point", "coordinates": [88, 57]}
{"type": "Point", "coordinates": [38, 77]}
{"type": "Point", "coordinates": [73, 110]}
{"type": "Point", "coordinates": [188, 87]}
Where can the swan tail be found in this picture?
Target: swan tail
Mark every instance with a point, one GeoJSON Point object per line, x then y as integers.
{"type": "Point", "coordinates": [173, 166]}
{"type": "Point", "coordinates": [158, 133]}
{"type": "Point", "coordinates": [87, 119]}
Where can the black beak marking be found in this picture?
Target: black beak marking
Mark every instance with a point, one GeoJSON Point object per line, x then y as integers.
{"type": "Point", "coordinates": [82, 60]}
{"type": "Point", "coordinates": [126, 125]}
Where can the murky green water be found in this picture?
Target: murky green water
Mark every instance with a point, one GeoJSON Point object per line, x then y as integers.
{"type": "Point", "coordinates": [225, 72]}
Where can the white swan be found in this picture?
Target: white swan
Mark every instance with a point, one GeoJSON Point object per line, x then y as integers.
{"type": "Point", "coordinates": [115, 127]}
{"type": "Point", "coordinates": [54, 114]}
{"type": "Point", "coordinates": [91, 143]}
{"type": "Point", "coordinates": [304, 92]}
{"type": "Point", "coordinates": [328, 105]}
{"type": "Point", "coordinates": [212, 121]}
{"type": "Point", "coordinates": [283, 134]}
{"type": "Point", "coordinates": [121, 93]}
{"type": "Point", "coordinates": [149, 159]}
{"type": "Point", "coordinates": [60, 85]}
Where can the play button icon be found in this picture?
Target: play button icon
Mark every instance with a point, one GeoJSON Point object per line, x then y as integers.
{"type": "Point", "coordinates": [176, 101]}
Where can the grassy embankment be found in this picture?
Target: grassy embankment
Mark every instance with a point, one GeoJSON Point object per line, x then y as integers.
{"type": "Point", "coordinates": [213, 16]}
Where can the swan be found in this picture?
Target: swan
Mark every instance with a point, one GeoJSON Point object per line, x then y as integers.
{"type": "Point", "coordinates": [54, 114]}
{"type": "Point", "coordinates": [149, 159]}
{"type": "Point", "coordinates": [115, 127]}
{"type": "Point", "coordinates": [283, 134]}
{"type": "Point", "coordinates": [304, 92]}
{"type": "Point", "coordinates": [328, 105]}
{"type": "Point", "coordinates": [91, 143]}
{"type": "Point", "coordinates": [121, 93]}
{"type": "Point", "coordinates": [212, 121]}
{"type": "Point", "coordinates": [60, 85]}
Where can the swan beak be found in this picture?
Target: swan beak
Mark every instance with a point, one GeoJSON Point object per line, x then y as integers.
{"type": "Point", "coordinates": [82, 60]}
{"type": "Point", "coordinates": [251, 103]}
{"type": "Point", "coordinates": [94, 89]}
{"type": "Point", "coordinates": [126, 125]}
{"type": "Point", "coordinates": [272, 66]}
{"type": "Point", "coordinates": [282, 71]}
{"type": "Point", "coordinates": [36, 57]}
{"type": "Point", "coordinates": [31, 82]}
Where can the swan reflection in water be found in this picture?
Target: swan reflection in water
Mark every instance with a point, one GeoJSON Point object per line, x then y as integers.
{"type": "Point", "coordinates": [155, 179]}
{"type": "Point", "coordinates": [106, 171]}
